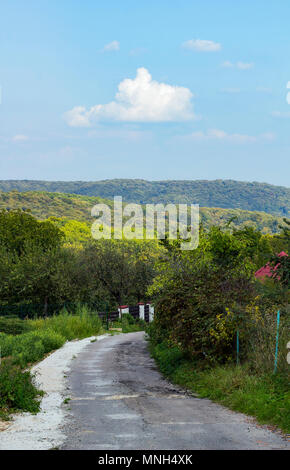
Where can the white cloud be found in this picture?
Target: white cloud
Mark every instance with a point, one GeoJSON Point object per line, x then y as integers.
{"type": "Point", "coordinates": [245, 65]}
{"type": "Point", "coordinates": [140, 99]}
{"type": "Point", "coordinates": [112, 46]}
{"type": "Point", "coordinates": [137, 51]}
{"type": "Point", "coordinates": [20, 138]}
{"type": "Point", "coordinates": [202, 45]}
{"type": "Point", "coordinates": [280, 114]}
{"type": "Point", "coordinates": [220, 135]}
{"type": "Point", "coordinates": [263, 89]}
{"type": "Point", "coordinates": [239, 65]}
{"type": "Point", "coordinates": [227, 64]}
{"type": "Point", "coordinates": [288, 94]}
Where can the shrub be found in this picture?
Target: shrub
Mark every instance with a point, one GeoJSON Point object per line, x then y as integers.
{"type": "Point", "coordinates": [30, 347]}
{"type": "Point", "coordinates": [13, 326]}
{"type": "Point", "coordinates": [81, 325]}
{"type": "Point", "coordinates": [17, 390]}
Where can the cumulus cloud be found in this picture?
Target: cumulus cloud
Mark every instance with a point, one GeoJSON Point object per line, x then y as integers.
{"type": "Point", "coordinates": [202, 45]}
{"type": "Point", "coordinates": [220, 135]}
{"type": "Point", "coordinates": [138, 100]}
{"type": "Point", "coordinates": [112, 46]}
{"type": "Point", "coordinates": [239, 65]}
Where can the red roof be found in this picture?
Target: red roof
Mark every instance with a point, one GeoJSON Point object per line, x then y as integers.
{"type": "Point", "coordinates": [267, 270]}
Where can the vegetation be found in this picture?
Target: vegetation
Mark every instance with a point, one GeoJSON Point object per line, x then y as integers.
{"type": "Point", "coordinates": [47, 334]}
{"type": "Point", "coordinates": [17, 391]}
{"type": "Point", "coordinates": [128, 324]}
{"type": "Point", "coordinates": [20, 349]}
{"type": "Point", "coordinates": [203, 299]}
{"type": "Point", "coordinates": [219, 193]}
{"type": "Point", "coordinates": [38, 270]}
{"type": "Point", "coordinates": [71, 213]}
{"type": "Point", "coordinates": [264, 396]}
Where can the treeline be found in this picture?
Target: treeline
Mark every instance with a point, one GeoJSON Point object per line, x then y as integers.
{"type": "Point", "coordinates": [44, 205]}
{"type": "Point", "coordinates": [38, 268]}
{"type": "Point", "coordinates": [219, 193]}
{"type": "Point", "coordinates": [205, 297]}
{"type": "Point", "coordinates": [56, 261]}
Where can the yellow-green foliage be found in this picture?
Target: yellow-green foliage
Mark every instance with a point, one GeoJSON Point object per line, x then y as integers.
{"type": "Point", "coordinates": [30, 347]}
{"type": "Point", "coordinates": [44, 205]}
{"type": "Point", "coordinates": [48, 334]}
{"type": "Point", "coordinates": [81, 325]}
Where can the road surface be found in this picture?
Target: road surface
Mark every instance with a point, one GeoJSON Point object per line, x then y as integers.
{"type": "Point", "coordinates": [119, 400]}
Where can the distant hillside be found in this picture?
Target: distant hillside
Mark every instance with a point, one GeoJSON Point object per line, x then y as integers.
{"type": "Point", "coordinates": [226, 194]}
{"type": "Point", "coordinates": [75, 207]}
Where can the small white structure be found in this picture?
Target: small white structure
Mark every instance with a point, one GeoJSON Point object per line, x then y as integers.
{"type": "Point", "coordinates": [142, 306]}
{"type": "Point", "coordinates": [123, 309]}
{"type": "Point", "coordinates": [141, 311]}
{"type": "Point", "coordinates": [151, 311]}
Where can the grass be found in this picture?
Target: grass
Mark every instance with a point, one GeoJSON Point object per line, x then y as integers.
{"type": "Point", "coordinates": [264, 396]}
{"type": "Point", "coordinates": [129, 324]}
{"type": "Point", "coordinates": [17, 391]}
{"type": "Point", "coordinates": [31, 341]}
{"type": "Point", "coordinates": [81, 325]}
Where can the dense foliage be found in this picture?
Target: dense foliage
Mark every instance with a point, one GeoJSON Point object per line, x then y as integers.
{"type": "Point", "coordinates": [37, 269]}
{"type": "Point", "coordinates": [72, 213]}
{"type": "Point", "coordinates": [219, 193]}
{"type": "Point", "coordinates": [203, 297]}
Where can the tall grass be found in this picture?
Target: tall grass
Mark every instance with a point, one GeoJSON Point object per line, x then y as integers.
{"type": "Point", "coordinates": [41, 336]}
{"type": "Point", "coordinates": [265, 396]}
{"type": "Point", "coordinates": [17, 391]}
{"type": "Point", "coordinates": [81, 325]}
{"type": "Point", "coordinates": [261, 344]}
{"type": "Point", "coordinates": [48, 334]}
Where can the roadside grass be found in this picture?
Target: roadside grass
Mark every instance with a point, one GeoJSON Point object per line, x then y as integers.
{"type": "Point", "coordinates": [129, 324]}
{"type": "Point", "coordinates": [17, 391]}
{"type": "Point", "coordinates": [38, 338]}
{"type": "Point", "coordinates": [81, 325]}
{"type": "Point", "coordinates": [264, 396]}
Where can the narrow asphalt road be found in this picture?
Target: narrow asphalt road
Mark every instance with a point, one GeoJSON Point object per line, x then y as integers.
{"type": "Point", "coordinates": [120, 401]}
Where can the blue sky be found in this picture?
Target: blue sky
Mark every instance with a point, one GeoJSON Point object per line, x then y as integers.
{"type": "Point", "coordinates": [202, 90]}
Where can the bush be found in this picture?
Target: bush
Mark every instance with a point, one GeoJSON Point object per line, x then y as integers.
{"type": "Point", "coordinates": [129, 318]}
{"type": "Point", "coordinates": [81, 325]}
{"type": "Point", "coordinates": [13, 326]}
{"type": "Point", "coordinates": [30, 347]}
{"type": "Point", "coordinates": [16, 389]}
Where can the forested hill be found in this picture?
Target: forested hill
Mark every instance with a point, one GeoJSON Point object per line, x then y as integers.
{"type": "Point", "coordinates": [219, 193]}
{"type": "Point", "coordinates": [43, 204]}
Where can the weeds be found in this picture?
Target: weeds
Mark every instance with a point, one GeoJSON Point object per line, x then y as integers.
{"type": "Point", "coordinates": [30, 342]}
{"type": "Point", "coordinates": [265, 396]}
{"type": "Point", "coordinates": [17, 391]}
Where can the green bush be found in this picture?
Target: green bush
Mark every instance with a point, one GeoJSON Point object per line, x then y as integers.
{"type": "Point", "coordinates": [13, 326]}
{"type": "Point", "coordinates": [81, 325]}
{"type": "Point", "coordinates": [130, 319]}
{"type": "Point", "coordinates": [17, 391]}
{"type": "Point", "coordinates": [30, 347]}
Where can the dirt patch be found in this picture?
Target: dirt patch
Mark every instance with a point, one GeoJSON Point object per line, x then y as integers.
{"type": "Point", "coordinates": [3, 425]}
